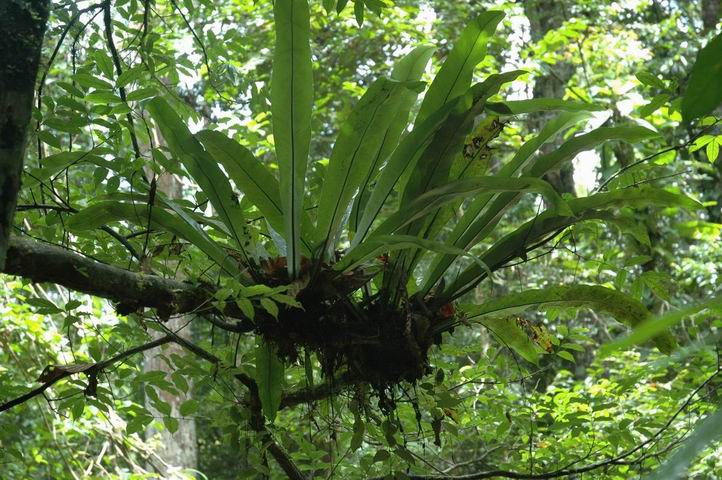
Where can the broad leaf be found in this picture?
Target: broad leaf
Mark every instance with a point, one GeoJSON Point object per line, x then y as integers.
{"type": "Point", "coordinates": [652, 327]}
{"type": "Point", "coordinates": [704, 90]}
{"type": "Point", "coordinates": [415, 144]}
{"type": "Point", "coordinates": [432, 168]}
{"type": "Point", "coordinates": [623, 308]}
{"type": "Point", "coordinates": [403, 159]}
{"type": "Point", "coordinates": [460, 235]}
{"type": "Point", "coordinates": [408, 69]}
{"type": "Point", "coordinates": [518, 107]}
{"type": "Point", "coordinates": [375, 245]}
{"type": "Point", "coordinates": [254, 179]}
{"type": "Point", "coordinates": [473, 232]}
{"type": "Point", "coordinates": [473, 162]}
{"type": "Point", "coordinates": [269, 378]}
{"type": "Point", "coordinates": [508, 332]}
{"type": "Point", "coordinates": [515, 244]}
{"type": "Point", "coordinates": [587, 141]}
{"type": "Point", "coordinates": [455, 75]}
{"type": "Point", "coordinates": [56, 163]}
{"type": "Point", "coordinates": [248, 173]}
{"type": "Point", "coordinates": [432, 200]}
{"type": "Point", "coordinates": [204, 170]}
{"type": "Point", "coordinates": [354, 154]}
{"type": "Point", "coordinates": [181, 225]}
{"type": "Point", "coordinates": [291, 105]}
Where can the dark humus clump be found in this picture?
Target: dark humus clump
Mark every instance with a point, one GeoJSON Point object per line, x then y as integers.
{"type": "Point", "coordinates": [354, 335]}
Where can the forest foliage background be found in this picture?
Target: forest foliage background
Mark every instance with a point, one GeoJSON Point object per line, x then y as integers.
{"type": "Point", "coordinates": [563, 390]}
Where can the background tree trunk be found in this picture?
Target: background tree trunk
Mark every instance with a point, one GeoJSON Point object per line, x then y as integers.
{"type": "Point", "coordinates": [544, 16]}
{"type": "Point", "coordinates": [710, 14]}
{"type": "Point", "coordinates": [177, 450]}
{"type": "Point", "coordinates": [22, 27]}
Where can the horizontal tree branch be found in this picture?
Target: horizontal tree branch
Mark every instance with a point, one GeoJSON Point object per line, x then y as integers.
{"type": "Point", "coordinates": [41, 262]}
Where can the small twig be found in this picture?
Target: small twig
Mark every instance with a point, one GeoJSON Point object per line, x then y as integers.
{"type": "Point", "coordinates": [203, 51]}
{"type": "Point", "coordinates": [634, 164]}
{"type": "Point", "coordinates": [654, 155]}
{"type": "Point", "coordinates": [59, 208]}
{"type": "Point", "coordinates": [119, 70]}
{"type": "Point", "coordinates": [257, 421]}
{"type": "Point", "coordinates": [122, 240]}
{"type": "Point", "coordinates": [473, 460]}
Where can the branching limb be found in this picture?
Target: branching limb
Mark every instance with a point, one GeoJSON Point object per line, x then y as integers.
{"type": "Point", "coordinates": [60, 373]}
{"type": "Point", "coordinates": [257, 421]}
{"type": "Point", "coordinates": [288, 400]}
{"type": "Point", "coordinates": [281, 457]}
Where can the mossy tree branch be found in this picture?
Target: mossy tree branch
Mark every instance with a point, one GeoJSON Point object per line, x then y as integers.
{"type": "Point", "coordinates": [40, 262]}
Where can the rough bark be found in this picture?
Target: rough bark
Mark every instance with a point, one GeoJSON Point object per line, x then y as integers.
{"type": "Point", "coordinates": [22, 27]}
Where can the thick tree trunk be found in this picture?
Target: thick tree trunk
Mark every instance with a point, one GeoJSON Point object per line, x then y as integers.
{"type": "Point", "coordinates": [545, 16]}
{"type": "Point", "coordinates": [22, 27]}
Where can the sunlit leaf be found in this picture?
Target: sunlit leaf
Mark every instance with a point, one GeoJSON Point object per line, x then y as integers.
{"type": "Point", "coordinates": [455, 75]}
{"type": "Point", "coordinates": [291, 104]}
{"type": "Point", "coordinates": [704, 91]}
